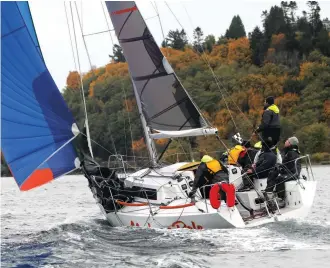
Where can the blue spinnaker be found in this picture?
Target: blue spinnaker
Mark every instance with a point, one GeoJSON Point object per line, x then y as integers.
{"type": "Point", "coordinates": [36, 124]}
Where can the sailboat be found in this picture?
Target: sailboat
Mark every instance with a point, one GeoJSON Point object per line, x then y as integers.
{"type": "Point", "coordinates": [40, 139]}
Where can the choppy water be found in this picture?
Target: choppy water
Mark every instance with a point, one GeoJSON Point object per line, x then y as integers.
{"type": "Point", "coordinates": [59, 225]}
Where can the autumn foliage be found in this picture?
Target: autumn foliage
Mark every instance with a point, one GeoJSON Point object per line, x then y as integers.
{"type": "Point", "coordinates": [73, 80]}
{"type": "Point", "coordinates": [138, 145]}
{"type": "Point", "coordinates": [239, 51]}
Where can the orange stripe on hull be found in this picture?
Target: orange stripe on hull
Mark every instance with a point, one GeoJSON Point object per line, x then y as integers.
{"type": "Point", "coordinates": [131, 204]}
{"type": "Point", "coordinates": [122, 11]}
{"type": "Point", "coordinates": [37, 178]}
{"type": "Point", "coordinates": [179, 206]}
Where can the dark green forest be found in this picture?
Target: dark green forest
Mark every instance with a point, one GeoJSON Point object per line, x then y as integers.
{"type": "Point", "coordinates": [288, 58]}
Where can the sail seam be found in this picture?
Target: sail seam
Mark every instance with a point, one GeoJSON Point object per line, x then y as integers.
{"type": "Point", "coordinates": [146, 83]}
{"type": "Point", "coordinates": [124, 24]}
{"type": "Point", "coordinates": [169, 108]}
{"type": "Point", "coordinates": [38, 150]}
{"type": "Point", "coordinates": [16, 30]}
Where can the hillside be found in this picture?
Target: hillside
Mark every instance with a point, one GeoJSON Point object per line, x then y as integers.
{"type": "Point", "coordinates": [288, 58]}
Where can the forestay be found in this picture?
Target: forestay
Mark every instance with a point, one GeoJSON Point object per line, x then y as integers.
{"type": "Point", "coordinates": [164, 102]}
{"type": "Point", "coordinates": [37, 127]}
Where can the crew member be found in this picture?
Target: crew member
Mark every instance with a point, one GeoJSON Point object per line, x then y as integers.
{"type": "Point", "coordinates": [270, 122]}
{"type": "Point", "coordinates": [266, 162]}
{"type": "Point", "coordinates": [290, 170]}
{"type": "Point", "coordinates": [208, 172]}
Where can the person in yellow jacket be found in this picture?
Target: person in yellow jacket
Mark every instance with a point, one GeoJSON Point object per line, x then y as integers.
{"type": "Point", "coordinates": [208, 172]}
{"type": "Point", "coordinates": [235, 154]}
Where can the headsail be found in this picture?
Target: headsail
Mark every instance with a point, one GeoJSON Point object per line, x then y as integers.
{"type": "Point", "coordinates": [36, 125]}
{"type": "Point", "coordinates": [166, 105]}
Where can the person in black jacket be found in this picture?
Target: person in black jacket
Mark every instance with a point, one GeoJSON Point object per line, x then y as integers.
{"type": "Point", "coordinates": [290, 169]}
{"type": "Point", "coordinates": [246, 157]}
{"type": "Point", "coordinates": [265, 164]}
{"type": "Point", "coordinates": [270, 122]}
{"type": "Point", "coordinates": [291, 153]}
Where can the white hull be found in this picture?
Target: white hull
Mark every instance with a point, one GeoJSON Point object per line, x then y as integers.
{"type": "Point", "coordinates": [299, 200]}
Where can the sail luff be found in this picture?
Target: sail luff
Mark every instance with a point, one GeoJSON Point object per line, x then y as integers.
{"type": "Point", "coordinates": [25, 12]}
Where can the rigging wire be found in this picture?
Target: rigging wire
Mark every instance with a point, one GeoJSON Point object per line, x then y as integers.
{"type": "Point", "coordinates": [81, 12]}
{"type": "Point", "coordinates": [98, 144]}
{"type": "Point", "coordinates": [129, 122]}
{"type": "Point", "coordinates": [125, 133]}
{"type": "Point", "coordinates": [67, 21]}
{"type": "Point", "coordinates": [80, 25]}
{"type": "Point", "coordinates": [90, 62]}
{"type": "Point", "coordinates": [197, 108]}
{"type": "Point", "coordinates": [82, 87]}
{"type": "Point", "coordinates": [208, 63]}
{"type": "Point", "coordinates": [105, 17]}
{"type": "Point", "coordinates": [105, 31]}
{"type": "Point", "coordinates": [160, 23]}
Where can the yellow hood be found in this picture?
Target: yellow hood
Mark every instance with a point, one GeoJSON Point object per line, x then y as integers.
{"type": "Point", "coordinates": [274, 108]}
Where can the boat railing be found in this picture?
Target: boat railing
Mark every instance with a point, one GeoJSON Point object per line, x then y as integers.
{"type": "Point", "coordinates": [189, 156]}
{"type": "Point", "coordinates": [308, 166]}
{"type": "Point", "coordinates": [125, 165]}
{"type": "Point", "coordinates": [309, 173]}
{"type": "Point", "coordinates": [129, 164]}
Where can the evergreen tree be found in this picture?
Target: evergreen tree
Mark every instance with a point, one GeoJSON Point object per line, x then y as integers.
{"type": "Point", "coordinates": [256, 40]}
{"type": "Point", "coordinates": [236, 28]}
{"type": "Point", "coordinates": [209, 42]}
{"type": "Point", "coordinates": [164, 43]}
{"type": "Point", "coordinates": [118, 55]}
{"type": "Point", "coordinates": [314, 17]}
{"type": "Point", "coordinates": [323, 42]}
{"type": "Point", "coordinates": [177, 39]}
{"type": "Point", "coordinates": [274, 22]}
{"type": "Point", "coordinates": [304, 35]}
{"type": "Point", "coordinates": [289, 10]}
{"type": "Point", "coordinates": [198, 39]}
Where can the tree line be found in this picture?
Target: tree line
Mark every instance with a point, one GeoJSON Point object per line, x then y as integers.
{"type": "Point", "coordinates": [289, 58]}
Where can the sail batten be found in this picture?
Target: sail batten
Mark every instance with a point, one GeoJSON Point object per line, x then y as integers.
{"type": "Point", "coordinates": [165, 103]}
{"type": "Point", "coordinates": [36, 124]}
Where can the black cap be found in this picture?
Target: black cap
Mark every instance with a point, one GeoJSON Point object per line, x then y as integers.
{"type": "Point", "coordinates": [247, 144]}
{"type": "Point", "coordinates": [270, 100]}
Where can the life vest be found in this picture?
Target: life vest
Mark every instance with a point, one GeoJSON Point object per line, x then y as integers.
{"type": "Point", "coordinates": [213, 166]}
{"type": "Point", "coordinates": [234, 154]}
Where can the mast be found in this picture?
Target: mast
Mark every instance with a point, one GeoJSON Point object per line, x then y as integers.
{"type": "Point", "coordinates": [149, 142]}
